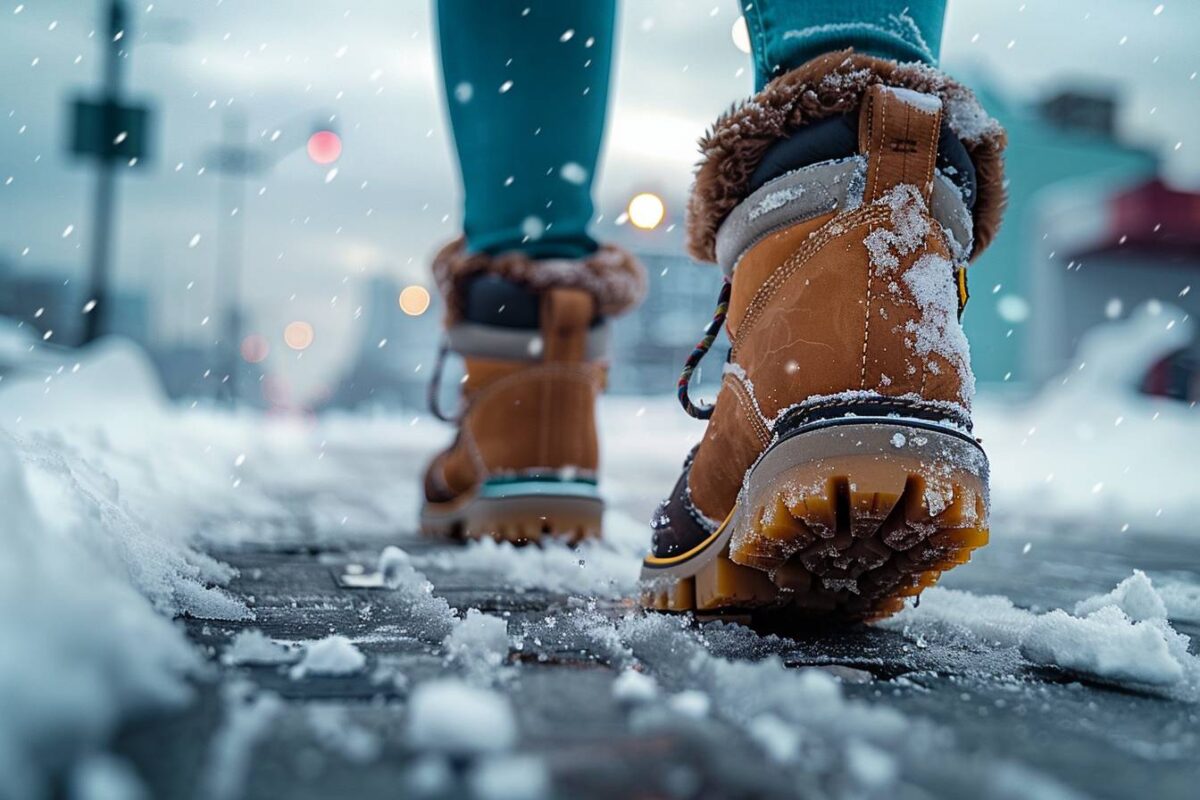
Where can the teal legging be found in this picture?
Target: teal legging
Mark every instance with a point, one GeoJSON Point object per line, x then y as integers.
{"type": "Point", "coordinates": [527, 87]}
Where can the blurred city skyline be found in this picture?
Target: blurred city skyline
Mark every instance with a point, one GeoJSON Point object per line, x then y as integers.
{"type": "Point", "coordinates": [368, 68]}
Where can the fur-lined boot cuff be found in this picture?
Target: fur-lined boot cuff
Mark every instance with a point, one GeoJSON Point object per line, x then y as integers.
{"type": "Point", "coordinates": [611, 275]}
{"type": "Point", "coordinates": [829, 85]}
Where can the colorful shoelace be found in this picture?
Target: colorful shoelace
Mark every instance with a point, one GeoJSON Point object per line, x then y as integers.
{"type": "Point", "coordinates": [711, 331]}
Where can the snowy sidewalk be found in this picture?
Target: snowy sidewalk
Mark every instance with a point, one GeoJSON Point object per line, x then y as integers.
{"type": "Point", "coordinates": [204, 605]}
{"type": "Point", "coordinates": [551, 694]}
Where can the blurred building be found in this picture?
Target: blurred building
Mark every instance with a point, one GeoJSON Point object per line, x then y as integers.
{"type": "Point", "coordinates": [650, 344]}
{"type": "Point", "coordinates": [1109, 249]}
{"type": "Point", "coordinates": [395, 353]}
{"type": "Point", "coordinates": [53, 304]}
{"type": "Point", "coordinates": [1069, 141]}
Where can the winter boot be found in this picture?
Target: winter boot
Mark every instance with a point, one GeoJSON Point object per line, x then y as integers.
{"type": "Point", "coordinates": [533, 337]}
{"type": "Point", "coordinates": [838, 474]}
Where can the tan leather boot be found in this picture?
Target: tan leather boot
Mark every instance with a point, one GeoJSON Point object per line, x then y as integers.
{"type": "Point", "coordinates": [838, 474]}
{"type": "Point", "coordinates": [524, 462]}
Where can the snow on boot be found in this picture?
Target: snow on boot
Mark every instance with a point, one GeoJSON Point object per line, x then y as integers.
{"type": "Point", "coordinates": [533, 336]}
{"type": "Point", "coordinates": [838, 474]}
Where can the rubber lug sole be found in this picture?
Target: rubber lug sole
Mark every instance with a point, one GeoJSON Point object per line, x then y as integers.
{"type": "Point", "coordinates": [839, 524]}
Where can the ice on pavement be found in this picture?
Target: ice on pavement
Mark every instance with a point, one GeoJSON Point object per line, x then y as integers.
{"type": "Point", "coordinates": [1122, 637]}
{"type": "Point", "coordinates": [452, 717]}
{"type": "Point", "coordinates": [333, 655]}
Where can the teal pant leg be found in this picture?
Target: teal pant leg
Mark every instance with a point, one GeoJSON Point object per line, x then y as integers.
{"type": "Point", "coordinates": [786, 33]}
{"type": "Point", "coordinates": [527, 88]}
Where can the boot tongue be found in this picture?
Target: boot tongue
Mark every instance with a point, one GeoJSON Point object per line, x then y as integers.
{"type": "Point", "coordinates": [898, 133]}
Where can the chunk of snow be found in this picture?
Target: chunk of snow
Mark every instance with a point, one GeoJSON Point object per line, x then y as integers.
{"type": "Point", "coordinates": [509, 778]}
{"type": "Point", "coordinates": [1105, 644]}
{"type": "Point", "coordinates": [1135, 596]}
{"type": "Point", "coordinates": [249, 715]}
{"type": "Point", "coordinates": [690, 703]}
{"type": "Point", "coordinates": [333, 655]}
{"type": "Point", "coordinates": [1122, 637]}
{"type": "Point", "coordinates": [453, 717]}
{"type": "Point", "coordinates": [252, 647]}
{"type": "Point", "coordinates": [337, 732]}
{"type": "Point", "coordinates": [478, 643]}
{"type": "Point", "coordinates": [634, 687]}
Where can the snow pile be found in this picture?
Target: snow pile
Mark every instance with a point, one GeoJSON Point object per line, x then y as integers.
{"type": "Point", "coordinates": [1182, 601]}
{"type": "Point", "coordinates": [85, 582]}
{"type": "Point", "coordinates": [1090, 449]}
{"type": "Point", "coordinates": [412, 602]}
{"type": "Point", "coordinates": [454, 718]}
{"type": "Point", "coordinates": [1123, 637]}
{"type": "Point", "coordinates": [333, 655]}
{"type": "Point", "coordinates": [252, 647]}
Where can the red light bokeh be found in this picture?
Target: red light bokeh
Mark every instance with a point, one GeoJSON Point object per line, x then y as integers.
{"type": "Point", "coordinates": [324, 147]}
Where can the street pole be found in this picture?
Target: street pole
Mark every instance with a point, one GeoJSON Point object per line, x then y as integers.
{"type": "Point", "coordinates": [231, 195]}
{"type": "Point", "coordinates": [104, 201]}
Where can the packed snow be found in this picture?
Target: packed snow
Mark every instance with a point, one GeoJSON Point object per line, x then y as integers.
{"type": "Point", "coordinates": [1123, 637]}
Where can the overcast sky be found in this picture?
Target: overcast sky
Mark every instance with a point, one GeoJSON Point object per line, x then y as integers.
{"type": "Point", "coordinates": [394, 197]}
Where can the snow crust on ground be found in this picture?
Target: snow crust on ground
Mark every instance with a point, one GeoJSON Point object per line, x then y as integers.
{"type": "Point", "coordinates": [1122, 638]}
{"type": "Point", "coordinates": [826, 742]}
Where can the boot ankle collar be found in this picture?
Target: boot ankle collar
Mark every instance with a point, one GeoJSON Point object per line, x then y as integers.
{"type": "Point", "coordinates": [824, 87]}
{"type": "Point", "coordinates": [513, 344]}
{"type": "Point", "coordinates": [825, 188]}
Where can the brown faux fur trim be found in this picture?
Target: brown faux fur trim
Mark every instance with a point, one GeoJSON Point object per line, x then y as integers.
{"type": "Point", "coordinates": [611, 275]}
{"type": "Point", "coordinates": [833, 84]}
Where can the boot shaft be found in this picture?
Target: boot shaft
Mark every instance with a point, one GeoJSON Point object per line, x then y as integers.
{"type": "Point", "coordinates": [846, 275]}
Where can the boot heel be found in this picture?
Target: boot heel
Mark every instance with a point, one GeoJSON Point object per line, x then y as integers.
{"type": "Point", "coordinates": [522, 512]}
{"type": "Point", "coordinates": [857, 516]}
{"type": "Point", "coordinates": [843, 520]}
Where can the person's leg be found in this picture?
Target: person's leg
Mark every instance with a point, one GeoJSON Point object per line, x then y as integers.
{"type": "Point", "coordinates": [785, 33]}
{"type": "Point", "coordinates": [527, 291]}
{"type": "Point", "coordinates": [527, 89]}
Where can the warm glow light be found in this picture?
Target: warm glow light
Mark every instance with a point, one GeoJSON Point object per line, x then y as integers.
{"type": "Point", "coordinates": [646, 210]}
{"type": "Point", "coordinates": [324, 147]}
{"type": "Point", "coordinates": [414, 300]}
{"type": "Point", "coordinates": [298, 335]}
{"type": "Point", "coordinates": [740, 34]}
{"type": "Point", "coordinates": [255, 348]}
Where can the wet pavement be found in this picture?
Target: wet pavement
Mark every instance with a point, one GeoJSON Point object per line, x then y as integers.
{"type": "Point", "coordinates": [974, 719]}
